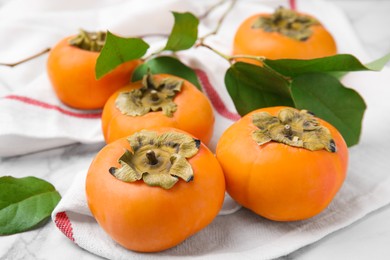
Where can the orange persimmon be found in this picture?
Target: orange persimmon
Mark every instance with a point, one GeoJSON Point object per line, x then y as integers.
{"type": "Point", "coordinates": [183, 107]}
{"type": "Point", "coordinates": [154, 189]}
{"type": "Point", "coordinates": [283, 35]}
{"type": "Point", "coordinates": [282, 163]}
{"type": "Point", "coordinates": [71, 70]}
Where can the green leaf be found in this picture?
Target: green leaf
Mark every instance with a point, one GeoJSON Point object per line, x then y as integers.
{"type": "Point", "coordinates": [118, 50]}
{"type": "Point", "coordinates": [167, 65]}
{"type": "Point", "coordinates": [328, 99]}
{"type": "Point", "coordinates": [252, 87]}
{"type": "Point", "coordinates": [379, 63]}
{"type": "Point", "coordinates": [25, 203]}
{"type": "Point", "coordinates": [184, 33]}
{"type": "Point", "coordinates": [336, 63]}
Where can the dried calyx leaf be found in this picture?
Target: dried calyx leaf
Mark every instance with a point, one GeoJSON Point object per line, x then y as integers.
{"type": "Point", "coordinates": [152, 96]}
{"type": "Point", "coordinates": [288, 23]}
{"type": "Point", "coordinates": [159, 160]}
{"type": "Point", "coordinates": [294, 128]}
{"type": "Point", "coordinates": [90, 41]}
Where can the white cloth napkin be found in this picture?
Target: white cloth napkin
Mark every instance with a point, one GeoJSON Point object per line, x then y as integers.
{"type": "Point", "coordinates": [31, 116]}
{"type": "Point", "coordinates": [242, 234]}
{"type": "Point", "coordinates": [31, 119]}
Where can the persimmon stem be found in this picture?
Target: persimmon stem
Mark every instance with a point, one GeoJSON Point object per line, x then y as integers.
{"type": "Point", "coordinates": [303, 130]}
{"type": "Point", "coordinates": [158, 160]}
{"type": "Point", "coordinates": [26, 59]}
{"type": "Point", "coordinates": [287, 130]}
{"type": "Point", "coordinates": [154, 95]}
{"type": "Point", "coordinates": [89, 41]}
{"type": "Point", "coordinates": [230, 58]}
{"type": "Point", "coordinates": [151, 155]}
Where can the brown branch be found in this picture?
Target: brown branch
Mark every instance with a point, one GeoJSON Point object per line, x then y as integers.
{"type": "Point", "coordinates": [211, 8]}
{"type": "Point", "coordinates": [26, 59]}
{"type": "Point", "coordinates": [220, 21]}
{"type": "Point", "coordinates": [48, 49]}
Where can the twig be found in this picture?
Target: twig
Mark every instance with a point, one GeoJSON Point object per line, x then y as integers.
{"type": "Point", "coordinates": [220, 21]}
{"type": "Point", "coordinates": [208, 11]}
{"type": "Point", "coordinates": [232, 58]}
{"type": "Point", "coordinates": [225, 56]}
{"type": "Point", "coordinates": [48, 49]}
{"type": "Point", "coordinates": [26, 59]}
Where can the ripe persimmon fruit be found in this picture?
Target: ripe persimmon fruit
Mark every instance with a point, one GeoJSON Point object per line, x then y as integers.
{"type": "Point", "coordinates": [155, 188]}
{"type": "Point", "coordinates": [71, 70]}
{"type": "Point", "coordinates": [282, 163]}
{"type": "Point", "coordinates": [158, 100]}
{"type": "Point", "coordinates": [285, 34]}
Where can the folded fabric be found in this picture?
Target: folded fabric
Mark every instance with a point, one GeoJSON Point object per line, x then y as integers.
{"type": "Point", "coordinates": [239, 233]}
{"type": "Point", "coordinates": [32, 26]}
{"type": "Point", "coordinates": [32, 118]}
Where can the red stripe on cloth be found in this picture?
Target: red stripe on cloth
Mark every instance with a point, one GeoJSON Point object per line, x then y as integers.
{"type": "Point", "coordinates": [214, 97]}
{"type": "Point", "coordinates": [63, 223]}
{"type": "Point", "coordinates": [44, 105]}
{"type": "Point", "coordinates": [293, 4]}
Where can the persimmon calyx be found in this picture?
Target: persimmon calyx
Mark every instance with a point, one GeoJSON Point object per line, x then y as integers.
{"type": "Point", "coordinates": [294, 128]}
{"type": "Point", "coordinates": [288, 23]}
{"type": "Point", "coordinates": [89, 41]}
{"type": "Point", "coordinates": [152, 96]}
{"type": "Point", "coordinates": [158, 160]}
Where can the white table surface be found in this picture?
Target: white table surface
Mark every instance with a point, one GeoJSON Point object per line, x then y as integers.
{"type": "Point", "coordinates": [368, 238]}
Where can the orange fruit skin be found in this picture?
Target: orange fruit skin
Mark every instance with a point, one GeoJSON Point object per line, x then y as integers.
{"type": "Point", "coordinates": [151, 219]}
{"type": "Point", "coordinates": [71, 71]}
{"type": "Point", "coordinates": [194, 114]}
{"type": "Point", "coordinates": [277, 181]}
{"type": "Point", "coordinates": [273, 45]}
